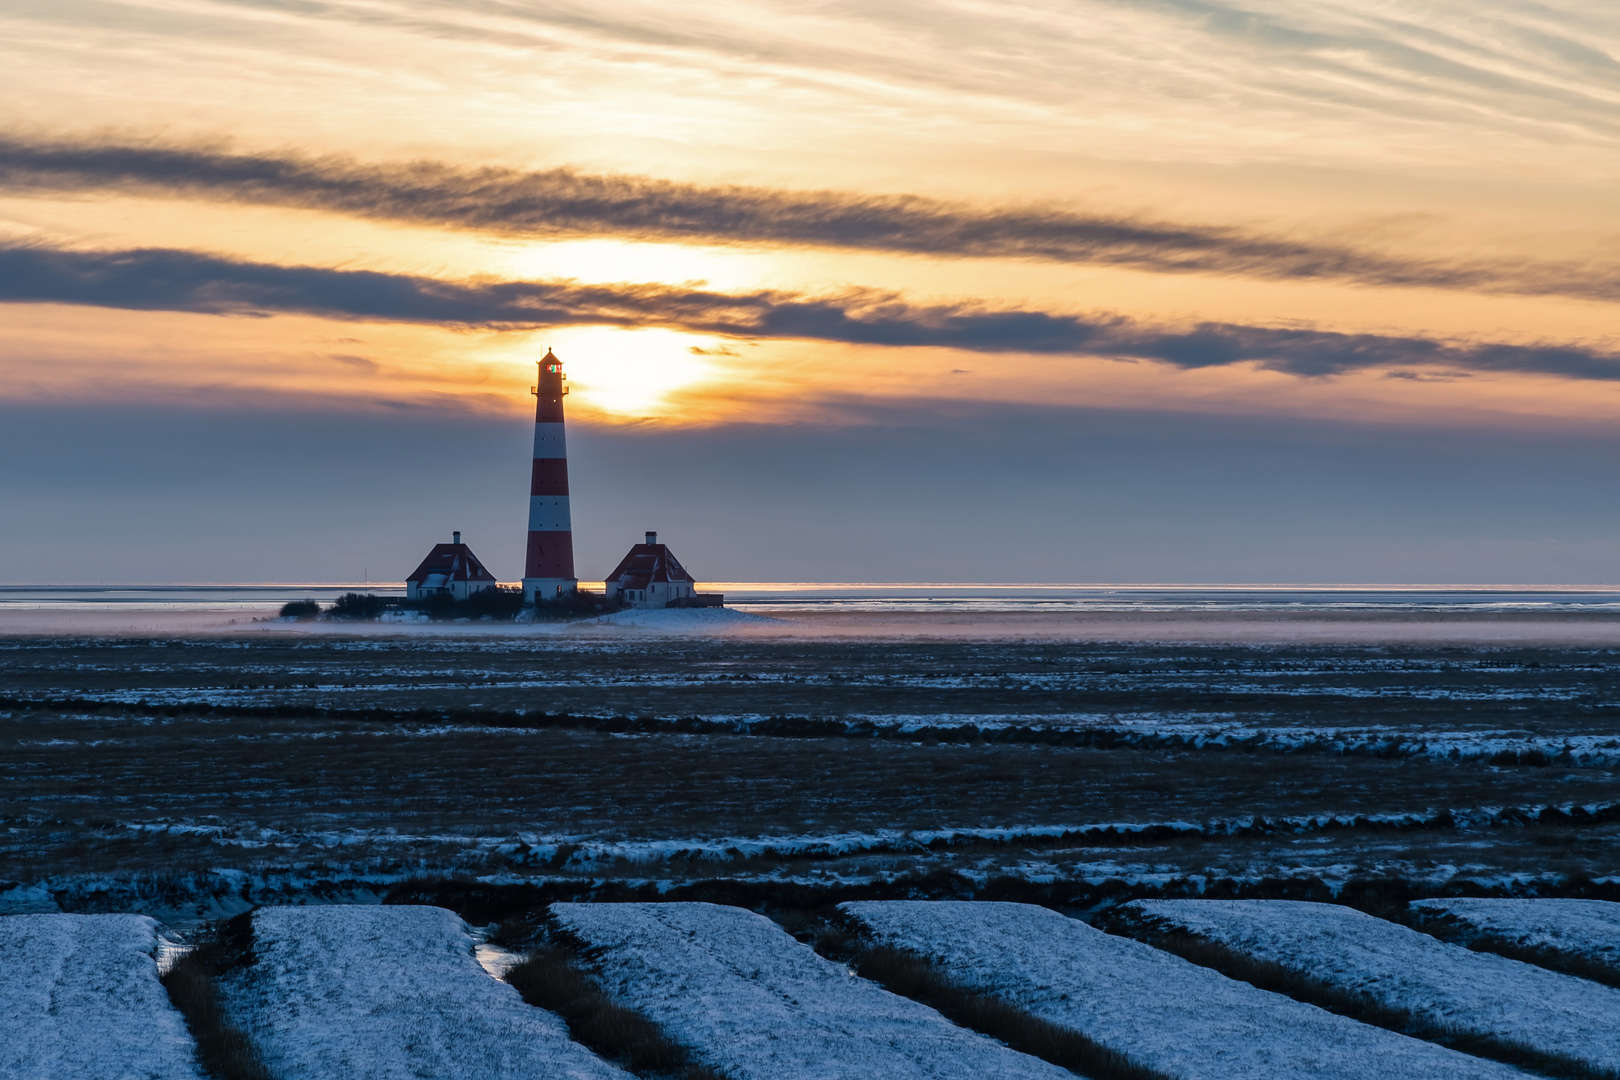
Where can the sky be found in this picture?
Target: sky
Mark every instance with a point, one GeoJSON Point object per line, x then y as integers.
{"type": "Point", "coordinates": [1092, 291]}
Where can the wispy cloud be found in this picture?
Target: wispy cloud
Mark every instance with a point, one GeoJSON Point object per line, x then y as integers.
{"type": "Point", "coordinates": [569, 203]}
{"type": "Point", "coordinates": [159, 279]}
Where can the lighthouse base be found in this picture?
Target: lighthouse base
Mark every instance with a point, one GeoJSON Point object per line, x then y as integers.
{"type": "Point", "coordinates": [540, 590]}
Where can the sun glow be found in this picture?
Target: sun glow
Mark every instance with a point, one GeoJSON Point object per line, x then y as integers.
{"type": "Point", "coordinates": [628, 374]}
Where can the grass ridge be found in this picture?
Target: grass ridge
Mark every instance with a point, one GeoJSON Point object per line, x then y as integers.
{"type": "Point", "coordinates": [1452, 930]}
{"type": "Point", "coordinates": [555, 975]}
{"type": "Point", "coordinates": [909, 974]}
{"type": "Point", "coordinates": [1362, 1007]}
{"type": "Point", "coordinates": [223, 1051]}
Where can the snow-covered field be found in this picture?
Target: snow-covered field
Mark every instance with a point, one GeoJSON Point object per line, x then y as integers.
{"type": "Point", "coordinates": [752, 1002]}
{"type": "Point", "coordinates": [390, 992]}
{"type": "Point", "coordinates": [1584, 929]}
{"type": "Point", "coordinates": [80, 998]}
{"type": "Point", "coordinates": [1155, 1008]}
{"type": "Point", "coordinates": [1404, 969]}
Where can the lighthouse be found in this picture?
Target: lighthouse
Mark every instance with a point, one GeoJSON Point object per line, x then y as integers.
{"type": "Point", "coordinates": [548, 568]}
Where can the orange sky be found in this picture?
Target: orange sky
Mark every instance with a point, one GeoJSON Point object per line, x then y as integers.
{"type": "Point", "coordinates": [1454, 132]}
{"type": "Point", "coordinates": [1446, 172]}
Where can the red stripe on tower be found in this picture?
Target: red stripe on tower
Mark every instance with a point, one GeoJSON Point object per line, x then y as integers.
{"type": "Point", "coordinates": [548, 569]}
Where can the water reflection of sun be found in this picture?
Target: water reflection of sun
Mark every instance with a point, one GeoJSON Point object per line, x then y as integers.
{"type": "Point", "coordinates": [625, 373]}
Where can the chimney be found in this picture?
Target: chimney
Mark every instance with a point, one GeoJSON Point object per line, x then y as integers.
{"type": "Point", "coordinates": [457, 535]}
{"type": "Point", "coordinates": [652, 538]}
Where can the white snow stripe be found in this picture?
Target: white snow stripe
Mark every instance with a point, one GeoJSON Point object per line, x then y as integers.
{"type": "Point", "coordinates": [1155, 1008]}
{"type": "Point", "coordinates": [549, 441]}
{"type": "Point", "coordinates": [80, 998]}
{"type": "Point", "coordinates": [390, 993]}
{"type": "Point", "coordinates": [549, 513]}
{"type": "Point", "coordinates": [1581, 929]}
{"type": "Point", "coordinates": [1407, 970]}
{"type": "Point", "coordinates": [755, 1004]}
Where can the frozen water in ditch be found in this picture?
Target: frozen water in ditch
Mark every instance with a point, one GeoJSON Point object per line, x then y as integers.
{"type": "Point", "coordinates": [390, 993]}
{"type": "Point", "coordinates": [1157, 1009]}
{"type": "Point", "coordinates": [80, 1000]}
{"type": "Point", "coordinates": [750, 1001]}
{"type": "Point", "coordinates": [1404, 969]}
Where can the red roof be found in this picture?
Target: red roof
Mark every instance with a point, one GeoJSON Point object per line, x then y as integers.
{"type": "Point", "coordinates": [646, 564]}
{"type": "Point", "coordinates": [455, 561]}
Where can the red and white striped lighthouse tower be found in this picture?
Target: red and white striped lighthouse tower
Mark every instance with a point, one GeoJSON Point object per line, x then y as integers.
{"type": "Point", "coordinates": [548, 569]}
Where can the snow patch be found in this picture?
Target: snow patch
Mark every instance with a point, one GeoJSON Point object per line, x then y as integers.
{"type": "Point", "coordinates": [1587, 929]}
{"type": "Point", "coordinates": [390, 993]}
{"type": "Point", "coordinates": [1403, 969]}
{"type": "Point", "coordinates": [752, 1002]}
{"type": "Point", "coordinates": [80, 998]}
{"type": "Point", "coordinates": [1155, 1008]}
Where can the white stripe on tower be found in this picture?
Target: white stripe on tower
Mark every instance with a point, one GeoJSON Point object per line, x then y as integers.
{"type": "Point", "coordinates": [548, 567]}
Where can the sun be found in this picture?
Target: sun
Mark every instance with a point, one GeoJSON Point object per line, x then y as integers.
{"type": "Point", "coordinates": [625, 374]}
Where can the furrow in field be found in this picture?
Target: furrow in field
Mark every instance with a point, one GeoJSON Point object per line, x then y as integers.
{"type": "Point", "coordinates": [379, 993]}
{"type": "Point", "coordinates": [753, 1003]}
{"type": "Point", "coordinates": [1445, 988]}
{"type": "Point", "coordinates": [1580, 936]}
{"type": "Point", "coordinates": [80, 1000]}
{"type": "Point", "coordinates": [1156, 1009]}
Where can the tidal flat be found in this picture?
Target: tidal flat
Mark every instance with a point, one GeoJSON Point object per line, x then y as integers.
{"type": "Point", "coordinates": [195, 774]}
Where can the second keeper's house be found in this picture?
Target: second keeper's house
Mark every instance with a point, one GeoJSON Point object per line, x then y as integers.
{"type": "Point", "coordinates": [651, 577]}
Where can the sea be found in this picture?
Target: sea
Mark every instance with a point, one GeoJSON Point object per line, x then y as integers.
{"type": "Point", "coordinates": [943, 597]}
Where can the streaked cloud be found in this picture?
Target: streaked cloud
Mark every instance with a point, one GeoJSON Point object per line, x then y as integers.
{"type": "Point", "coordinates": [568, 203]}
{"type": "Point", "coordinates": [163, 280]}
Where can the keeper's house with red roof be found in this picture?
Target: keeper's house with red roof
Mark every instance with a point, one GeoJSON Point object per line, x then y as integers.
{"type": "Point", "coordinates": [651, 577]}
{"type": "Point", "coordinates": [449, 570]}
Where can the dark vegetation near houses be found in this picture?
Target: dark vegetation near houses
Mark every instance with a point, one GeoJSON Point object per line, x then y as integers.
{"type": "Point", "coordinates": [1301, 986]}
{"type": "Point", "coordinates": [223, 1051]}
{"type": "Point", "coordinates": [575, 605]}
{"type": "Point", "coordinates": [300, 609]}
{"type": "Point", "coordinates": [358, 606]}
{"type": "Point", "coordinates": [499, 603]}
{"type": "Point", "coordinates": [554, 975]}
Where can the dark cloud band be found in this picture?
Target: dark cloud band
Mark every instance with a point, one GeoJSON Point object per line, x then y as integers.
{"type": "Point", "coordinates": [165, 280]}
{"type": "Point", "coordinates": [564, 202]}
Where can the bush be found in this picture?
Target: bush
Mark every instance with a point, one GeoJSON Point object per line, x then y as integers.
{"type": "Point", "coordinates": [300, 609]}
{"type": "Point", "coordinates": [359, 606]}
{"type": "Point", "coordinates": [575, 605]}
{"type": "Point", "coordinates": [498, 603]}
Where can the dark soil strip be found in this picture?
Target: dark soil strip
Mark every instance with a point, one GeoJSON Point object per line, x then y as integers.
{"type": "Point", "coordinates": [1267, 975]}
{"type": "Point", "coordinates": [553, 978]}
{"type": "Point", "coordinates": [909, 975]}
{"type": "Point", "coordinates": [796, 905]}
{"type": "Point", "coordinates": [223, 1051]}
{"type": "Point", "coordinates": [794, 727]}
